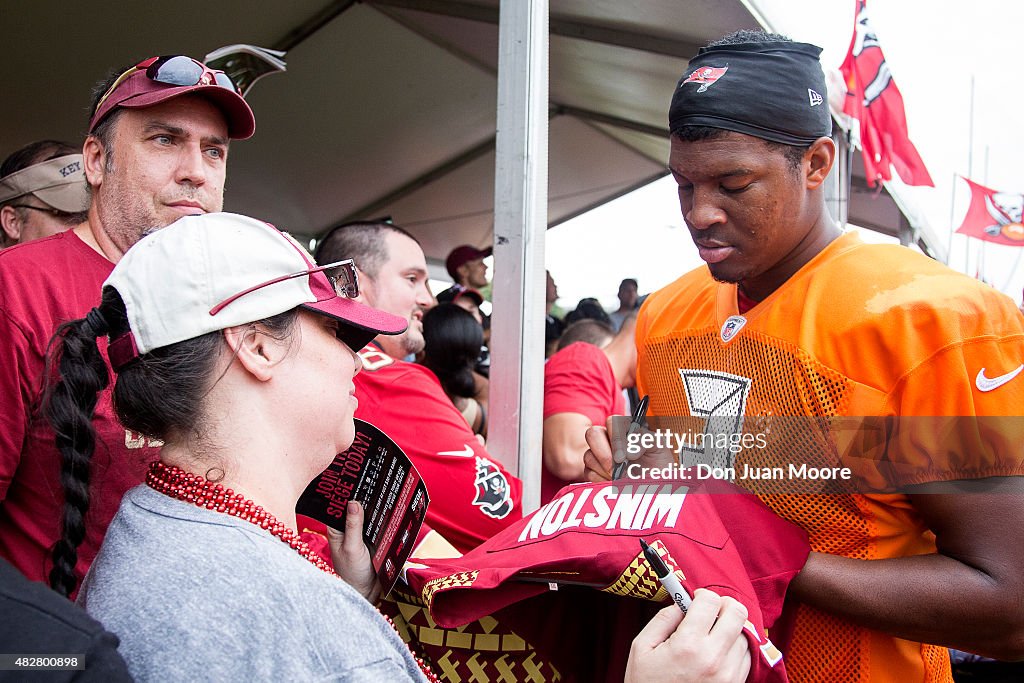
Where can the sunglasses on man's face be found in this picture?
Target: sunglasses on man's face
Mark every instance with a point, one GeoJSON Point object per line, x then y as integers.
{"type": "Point", "coordinates": [341, 274]}
{"type": "Point", "coordinates": [178, 70]}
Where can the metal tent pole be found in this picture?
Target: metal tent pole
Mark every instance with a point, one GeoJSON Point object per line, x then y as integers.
{"type": "Point", "coordinates": [520, 222]}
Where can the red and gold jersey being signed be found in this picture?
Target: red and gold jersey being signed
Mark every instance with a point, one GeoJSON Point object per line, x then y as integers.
{"type": "Point", "coordinates": [560, 577]}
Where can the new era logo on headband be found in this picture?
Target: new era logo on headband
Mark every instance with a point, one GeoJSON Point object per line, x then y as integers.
{"type": "Point", "coordinates": [707, 76]}
{"type": "Point", "coordinates": [814, 98]}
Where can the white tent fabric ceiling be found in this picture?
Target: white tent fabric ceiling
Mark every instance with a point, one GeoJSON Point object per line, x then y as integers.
{"type": "Point", "coordinates": [388, 106]}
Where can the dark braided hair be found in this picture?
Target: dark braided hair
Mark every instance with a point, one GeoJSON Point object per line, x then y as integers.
{"type": "Point", "coordinates": [159, 394]}
{"type": "Point", "coordinates": [83, 375]}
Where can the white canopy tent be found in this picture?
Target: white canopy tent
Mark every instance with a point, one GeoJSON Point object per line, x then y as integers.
{"type": "Point", "coordinates": [405, 108]}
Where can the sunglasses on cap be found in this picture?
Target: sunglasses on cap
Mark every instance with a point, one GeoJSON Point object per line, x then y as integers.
{"type": "Point", "coordinates": [341, 274]}
{"type": "Point", "coordinates": [179, 70]}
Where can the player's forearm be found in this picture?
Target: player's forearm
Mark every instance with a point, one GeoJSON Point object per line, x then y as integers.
{"type": "Point", "coordinates": [925, 598]}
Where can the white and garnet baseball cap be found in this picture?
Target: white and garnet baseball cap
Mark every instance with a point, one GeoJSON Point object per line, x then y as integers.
{"type": "Point", "coordinates": [210, 272]}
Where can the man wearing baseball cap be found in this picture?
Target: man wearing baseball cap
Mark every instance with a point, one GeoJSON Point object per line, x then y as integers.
{"type": "Point", "coordinates": [42, 191]}
{"type": "Point", "coordinates": [156, 150]}
{"type": "Point", "coordinates": [466, 266]}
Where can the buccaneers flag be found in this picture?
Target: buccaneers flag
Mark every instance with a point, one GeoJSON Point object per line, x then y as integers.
{"type": "Point", "coordinates": [994, 216]}
{"type": "Point", "coordinates": [874, 100]}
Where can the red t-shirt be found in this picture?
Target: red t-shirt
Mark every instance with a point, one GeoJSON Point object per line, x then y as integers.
{"type": "Point", "coordinates": [42, 284]}
{"type": "Point", "coordinates": [472, 497]}
{"type": "Point", "coordinates": [579, 379]}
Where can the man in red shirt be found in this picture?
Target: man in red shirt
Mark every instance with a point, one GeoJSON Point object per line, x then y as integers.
{"type": "Point", "coordinates": [472, 497]}
{"type": "Point", "coordinates": [583, 386]}
{"type": "Point", "coordinates": [156, 150]}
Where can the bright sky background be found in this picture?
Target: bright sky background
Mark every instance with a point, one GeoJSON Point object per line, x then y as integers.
{"type": "Point", "coordinates": [934, 48]}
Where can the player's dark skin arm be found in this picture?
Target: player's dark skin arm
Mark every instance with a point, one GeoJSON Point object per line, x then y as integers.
{"type": "Point", "coordinates": [969, 596]}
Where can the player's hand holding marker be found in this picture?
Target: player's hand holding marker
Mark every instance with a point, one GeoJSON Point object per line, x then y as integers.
{"type": "Point", "coordinates": [616, 446]}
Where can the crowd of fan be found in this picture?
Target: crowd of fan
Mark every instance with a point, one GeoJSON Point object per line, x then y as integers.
{"type": "Point", "coordinates": [173, 377]}
{"type": "Point", "coordinates": [77, 445]}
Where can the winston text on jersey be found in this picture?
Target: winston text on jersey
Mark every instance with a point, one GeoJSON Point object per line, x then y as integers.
{"type": "Point", "coordinates": [627, 508]}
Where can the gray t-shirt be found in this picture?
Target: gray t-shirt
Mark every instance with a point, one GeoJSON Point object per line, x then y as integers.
{"type": "Point", "coordinates": [202, 596]}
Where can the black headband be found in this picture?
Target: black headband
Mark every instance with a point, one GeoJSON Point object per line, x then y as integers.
{"type": "Point", "coordinates": [773, 90]}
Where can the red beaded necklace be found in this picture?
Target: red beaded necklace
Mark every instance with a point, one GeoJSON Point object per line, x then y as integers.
{"type": "Point", "coordinates": [177, 483]}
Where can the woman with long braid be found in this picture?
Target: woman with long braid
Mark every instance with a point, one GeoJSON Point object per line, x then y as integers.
{"type": "Point", "coordinates": [236, 351]}
{"type": "Point", "coordinates": [239, 353]}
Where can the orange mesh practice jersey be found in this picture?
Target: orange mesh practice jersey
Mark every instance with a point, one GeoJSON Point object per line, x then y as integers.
{"type": "Point", "coordinates": [860, 331]}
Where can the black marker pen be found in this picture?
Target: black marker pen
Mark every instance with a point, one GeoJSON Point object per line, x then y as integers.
{"type": "Point", "coordinates": [636, 423]}
{"type": "Point", "coordinates": [667, 578]}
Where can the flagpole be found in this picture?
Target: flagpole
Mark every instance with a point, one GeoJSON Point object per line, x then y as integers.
{"type": "Point", "coordinates": [1013, 271]}
{"type": "Point", "coordinates": [984, 245]}
{"type": "Point", "coordinates": [849, 176]}
{"type": "Point", "coordinates": [970, 170]}
{"type": "Point", "coordinates": [952, 227]}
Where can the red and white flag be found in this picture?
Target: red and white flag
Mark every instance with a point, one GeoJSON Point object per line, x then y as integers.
{"type": "Point", "coordinates": [873, 99]}
{"type": "Point", "coordinates": [994, 216]}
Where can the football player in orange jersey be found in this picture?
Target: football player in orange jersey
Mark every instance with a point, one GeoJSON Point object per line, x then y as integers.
{"type": "Point", "coordinates": [793, 317]}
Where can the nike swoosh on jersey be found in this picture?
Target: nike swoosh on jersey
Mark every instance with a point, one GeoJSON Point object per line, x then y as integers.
{"type": "Point", "coordinates": [988, 384]}
{"type": "Point", "coordinates": [466, 452]}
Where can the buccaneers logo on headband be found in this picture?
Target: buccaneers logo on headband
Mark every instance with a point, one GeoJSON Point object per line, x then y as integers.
{"type": "Point", "coordinates": [707, 76]}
